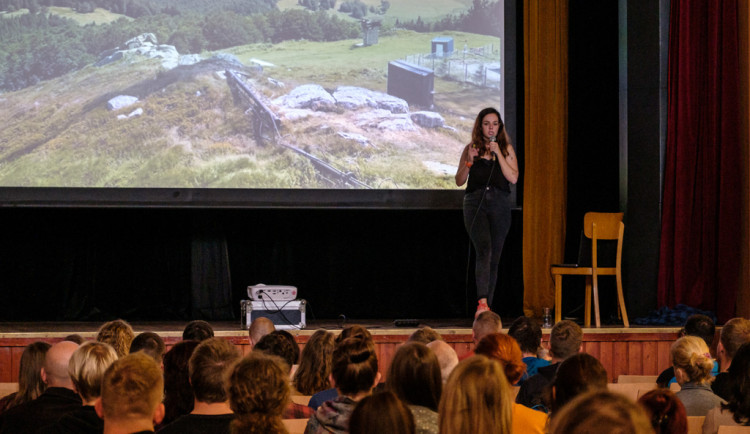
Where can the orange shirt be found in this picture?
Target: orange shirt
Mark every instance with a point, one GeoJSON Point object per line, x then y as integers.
{"type": "Point", "coordinates": [528, 421]}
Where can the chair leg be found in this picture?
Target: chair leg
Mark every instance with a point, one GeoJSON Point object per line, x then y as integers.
{"type": "Point", "coordinates": [595, 278]}
{"type": "Point", "coordinates": [558, 297]}
{"type": "Point", "coordinates": [587, 309]}
{"type": "Point", "coordinates": [621, 301]}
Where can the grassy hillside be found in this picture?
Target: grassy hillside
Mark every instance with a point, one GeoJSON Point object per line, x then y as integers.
{"type": "Point", "coordinates": [192, 134]}
{"type": "Point", "coordinates": [431, 10]}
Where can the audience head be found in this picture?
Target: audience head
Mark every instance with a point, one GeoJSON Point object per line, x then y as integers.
{"type": "Point", "coordinates": [425, 335]}
{"type": "Point", "coordinates": [701, 326]}
{"type": "Point", "coordinates": [131, 393]}
{"type": "Point", "coordinates": [258, 391]}
{"type": "Point", "coordinates": [665, 410]}
{"type": "Point", "coordinates": [565, 339]}
{"type": "Point", "coordinates": [505, 350]}
{"type": "Point", "coordinates": [30, 383]}
{"type": "Point", "coordinates": [381, 413]}
{"type": "Point", "coordinates": [260, 327]}
{"type": "Point", "coordinates": [739, 385]}
{"type": "Point", "coordinates": [207, 366]}
{"type": "Point", "coordinates": [86, 369]}
{"type": "Point", "coordinates": [118, 334]}
{"type": "Point", "coordinates": [486, 322]}
{"type": "Point", "coordinates": [527, 332]}
{"type": "Point", "coordinates": [354, 368]}
{"type": "Point", "coordinates": [178, 394]}
{"type": "Point", "coordinates": [576, 375]}
{"type": "Point", "coordinates": [447, 357]}
{"type": "Point", "coordinates": [734, 334]}
{"type": "Point", "coordinates": [414, 376]}
{"type": "Point", "coordinates": [691, 360]}
{"type": "Point", "coordinates": [315, 364]}
{"type": "Point", "coordinates": [601, 411]}
{"type": "Point", "coordinates": [476, 399]}
{"type": "Point", "coordinates": [55, 367]}
{"type": "Point", "coordinates": [197, 330]}
{"type": "Point", "coordinates": [354, 330]}
{"type": "Point", "coordinates": [151, 344]}
{"type": "Point", "coordinates": [75, 338]}
{"type": "Point", "coordinates": [280, 343]}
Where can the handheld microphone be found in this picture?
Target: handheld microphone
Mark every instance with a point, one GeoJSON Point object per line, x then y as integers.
{"type": "Point", "coordinates": [493, 139]}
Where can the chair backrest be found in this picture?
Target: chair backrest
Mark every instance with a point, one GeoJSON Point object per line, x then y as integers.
{"type": "Point", "coordinates": [7, 389]}
{"type": "Point", "coordinates": [630, 390]}
{"type": "Point", "coordinates": [295, 426]}
{"type": "Point", "coordinates": [607, 225]}
{"type": "Point", "coordinates": [301, 399]}
{"type": "Point", "coordinates": [695, 424]}
{"type": "Point", "coordinates": [624, 378]}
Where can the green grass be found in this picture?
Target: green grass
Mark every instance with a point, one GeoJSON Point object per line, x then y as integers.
{"type": "Point", "coordinates": [99, 16]}
{"type": "Point", "coordinates": [402, 9]}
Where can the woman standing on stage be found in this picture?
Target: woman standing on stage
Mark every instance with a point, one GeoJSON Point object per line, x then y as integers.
{"type": "Point", "coordinates": [489, 163]}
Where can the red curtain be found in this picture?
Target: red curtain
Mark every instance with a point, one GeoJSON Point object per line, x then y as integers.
{"type": "Point", "coordinates": [699, 256]}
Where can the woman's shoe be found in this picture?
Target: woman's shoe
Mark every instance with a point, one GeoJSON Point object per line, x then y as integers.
{"type": "Point", "coordinates": [481, 307]}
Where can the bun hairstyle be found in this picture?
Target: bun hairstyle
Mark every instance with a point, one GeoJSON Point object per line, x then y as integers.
{"type": "Point", "coordinates": [355, 365]}
{"type": "Point", "coordinates": [505, 350]}
{"type": "Point", "coordinates": [666, 411]}
{"type": "Point", "coordinates": [690, 353]}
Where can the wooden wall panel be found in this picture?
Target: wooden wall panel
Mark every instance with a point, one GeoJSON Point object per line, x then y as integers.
{"type": "Point", "coordinates": [6, 365]}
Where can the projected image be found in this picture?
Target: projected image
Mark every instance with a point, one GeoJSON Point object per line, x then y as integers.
{"type": "Point", "coordinates": [369, 94]}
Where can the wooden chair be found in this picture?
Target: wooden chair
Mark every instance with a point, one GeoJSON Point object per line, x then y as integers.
{"type": "Point", "coordinates": [631, 390]}
{"type": "Point", "coordinates": [695, 424]}
{"type": "Point", "coordinates": [726, 429]}
{"type": "Point", "coordinates": [295, 426]}
{"type": "Point", "coordinates": [596, 226]}
{"type": "Point", "coordinates": [8, 388]}
{"type": "Point", "coordinates": [623, 378]}
{"type": "Point", "coordinates": [301, 399]}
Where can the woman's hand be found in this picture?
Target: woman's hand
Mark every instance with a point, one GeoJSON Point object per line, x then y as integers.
{"type": "Point", "coordinates": [495, 148]}
{"type": "Point", "coordinates": [472, 154]}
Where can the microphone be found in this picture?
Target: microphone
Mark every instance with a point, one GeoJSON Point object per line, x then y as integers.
{"type": "Point", "coordinates": [493, 139]}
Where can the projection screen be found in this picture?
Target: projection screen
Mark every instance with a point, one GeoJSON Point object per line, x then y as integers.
{"type": "Point", "coordinates": [228, 102]}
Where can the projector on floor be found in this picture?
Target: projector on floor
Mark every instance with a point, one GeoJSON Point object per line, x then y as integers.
{"type": "Point", "coordinates": [272, 292]}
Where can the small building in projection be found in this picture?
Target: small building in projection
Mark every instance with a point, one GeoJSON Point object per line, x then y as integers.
{"type": "Point", "coordinates": [370, 31]}
{"type": "Point", "coordinates": [442, 46]}
{"type": "Point", "coordinates": [411, 82]}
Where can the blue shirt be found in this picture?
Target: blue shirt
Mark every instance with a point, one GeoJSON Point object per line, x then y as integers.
{"type": "Point", "coordinates": [532, 365]}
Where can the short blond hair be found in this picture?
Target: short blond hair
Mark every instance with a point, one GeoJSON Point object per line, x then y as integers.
{"type": "Point", "coordinates": [691, 354]}
{"type": "Point", "coordinates": [87, 366]}
{"type": "Point", "coordinates": [476, 399]}
{"type": "Point", "coordinates": [133, 387]}
{"type": "Point", "coordinates": [734, 333]}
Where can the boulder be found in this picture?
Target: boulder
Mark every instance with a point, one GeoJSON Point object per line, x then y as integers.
{"type": "Point", "coordinates": [308, 96]}
{"type": "Point", "coordinates": [189, 59]}
{"type": "Point", "coordinates": [352, 98]}
{"type": "Point", "coordinates": [229, 58]}
{"type": "Point", "coordinates": [121, 101]}
{"type": "Point", "coordinates": [142, 40]}
{"type": "Point", "coordinates": [427, 119]}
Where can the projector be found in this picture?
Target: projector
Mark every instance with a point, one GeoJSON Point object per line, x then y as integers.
{"type": "Point", "coordinates": [272, 292]}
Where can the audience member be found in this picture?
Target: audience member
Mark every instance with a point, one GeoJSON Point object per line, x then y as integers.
{"type": "Point", "coordinates": [151, 344]}
{"type": "Point", "coordinates": [86, 369]}
{"type": "Point", "coordinates": [414, 377]}
{"type": "Point", "coordinates": [476, 399]}
{"type": "Point", "coordinates": [578, 374]}
{"type": "Point", "coordinates": [566, 339]}
{"type": "Point", "coordinates": [354, 373]}
{"type": "Point", "coordinates": [118, 333]}
{"type": "Point", "coordinates": [57, 400]}
{"type": "Point", "coordinates": [734, 334]}
{"type": "Point", "coordinates": [197, 330]}
{"type": "Point", "coordinates": [281, 343]}
{"type": "Point", "coordinates": [30, 384]}
{"type": "Point", "coordinates": [527, 332]}
{"type": "Point", "coordinates": [258, 390]}
{"type": "Point", "coordinates": [206, 368]}
{"type": "Point", "coordinates": [696, 325]}
{"type": "Point", "coordinates": [601, 411]}
{"type": "Point", "coordinates": [665, 410]}
{"type": "Point", "coordinates": [505, 349]}
{"type": "Point", "coordinates": [131, 395]}
{"type": "Point", "coordinates": [446, 356]}
{"type": "Point", "coordinates": [425, 335]}
{"type": "Point", "coordinates": [354, 330]}
{"type": "Point", "coordinates": [737, 410]}
{"type": "Point", "coordinates": [381, 413]}
{"type": "Point", "coordinates": [178, 395]}
{"type": "Point", "coordinates": [260, 327]}
{"type": "Point", "coordinates": [315, 364]}
{"type": "Point", "coordinates": [692, 367]}
{"type": "Point", "coordinates": [75, 338]}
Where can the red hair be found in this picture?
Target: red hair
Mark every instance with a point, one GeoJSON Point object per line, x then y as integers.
{"type": "Point", "coordinates": [505, 350]}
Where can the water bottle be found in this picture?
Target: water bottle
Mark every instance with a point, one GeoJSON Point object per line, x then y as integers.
{"type": "Point", "coordinates": [547, 318]}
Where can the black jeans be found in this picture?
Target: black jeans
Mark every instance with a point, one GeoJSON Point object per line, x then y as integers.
{"type": "Point", "coordinates": [487, 221]}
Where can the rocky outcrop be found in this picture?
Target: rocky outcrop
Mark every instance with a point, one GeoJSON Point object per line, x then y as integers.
{"type": "Point", "coordinates": [308, 96]}
{"type": "Point", "coordinates": [427, 119]}
{"type": "Point", "coordinates": [144, 45]}
{"type": "Point", "coordinates": [121, 101]}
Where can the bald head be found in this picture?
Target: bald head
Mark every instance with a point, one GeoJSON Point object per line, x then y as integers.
{"type": "Point", "coordinates": [259, 328]}
{"type": "Point", "coordinates": [446, 355]}
{"type": "Point", "coordinates": [55, 368]}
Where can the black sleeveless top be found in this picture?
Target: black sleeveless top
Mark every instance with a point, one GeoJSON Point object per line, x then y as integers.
{"type": "Point", "coordinates": [480, 172]}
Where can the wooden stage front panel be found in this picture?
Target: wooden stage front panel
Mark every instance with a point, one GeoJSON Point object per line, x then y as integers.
{"type": "Point", "coordinates": [633, 351]}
